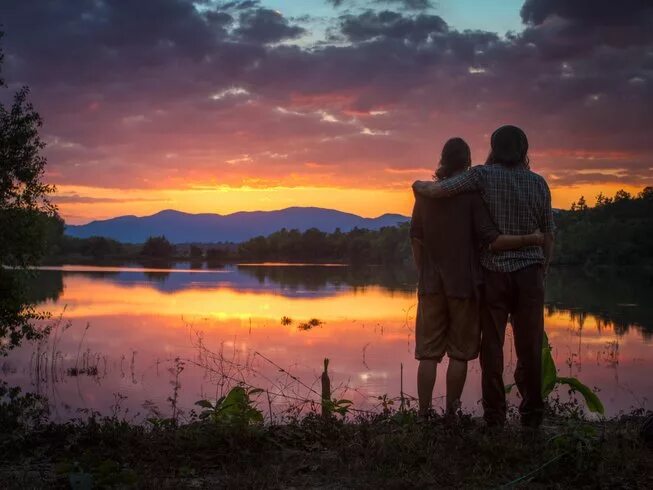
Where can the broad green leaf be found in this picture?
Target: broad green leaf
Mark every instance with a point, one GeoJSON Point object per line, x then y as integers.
{"type": "Point", "coordinates": [549, 371]}
{"type": "Point", "coordinates": [237, 407]}
{"type": "Point", "coordinates": [591, 399]}
{"type": "Point", "coordinates": [550, 379]}
{"type": "Point", "coordinates": [235, 400]}
{"type": "Point", "coordinates": [204, 404]}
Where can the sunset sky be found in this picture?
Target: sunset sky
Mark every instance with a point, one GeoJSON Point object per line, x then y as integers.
{"type": "Point", "coordinates": [221, 106]}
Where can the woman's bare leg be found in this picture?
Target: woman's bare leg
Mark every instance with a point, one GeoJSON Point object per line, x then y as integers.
{"type": "Point", "coordinates": [426, 373]}
{"type": "Point", "coordinates": [456, 376]}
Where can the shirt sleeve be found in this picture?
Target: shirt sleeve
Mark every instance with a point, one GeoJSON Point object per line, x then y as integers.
{"type": "Point", "coordinates": [416, 226]}
{"type": "Point", "coordinates": [465, 182]}
{"type": "Point", "coordinates": [545, 222]}
{"type": "Point", "coordinates": [485, 229]}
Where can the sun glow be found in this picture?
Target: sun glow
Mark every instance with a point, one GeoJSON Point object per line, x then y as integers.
{"type": "Point", "coordinates": [83, 204]}
{"type": "Point", "coordinates": [78, 204]}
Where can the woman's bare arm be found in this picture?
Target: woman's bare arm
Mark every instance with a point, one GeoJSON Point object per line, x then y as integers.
{"type": "Point", "coordinates": [514, 242]}
{"type": "Point", "coordinates": [488, 233]}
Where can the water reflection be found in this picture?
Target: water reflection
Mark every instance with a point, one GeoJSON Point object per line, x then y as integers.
{"type": "Point", "coordinates": [617, 299]}
{"type": "Point", "coordinates": [316, 278]}
{"type": "Point", "coordinates": [287, 280]}
{"type": "Point", "coordinates": [45, 286]}
{"type": "Point", "coordinates": [128, 325]}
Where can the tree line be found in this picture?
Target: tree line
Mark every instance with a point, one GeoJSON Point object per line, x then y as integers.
{"type": "Point", "coordinates": [387, 245]}
{"type": "Point", "coordinates": [616, 231]}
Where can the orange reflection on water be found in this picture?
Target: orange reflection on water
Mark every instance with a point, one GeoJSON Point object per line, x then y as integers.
{"type": "Point", "coordinates": [85, 297]}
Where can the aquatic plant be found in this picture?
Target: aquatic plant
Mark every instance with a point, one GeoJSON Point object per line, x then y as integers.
{"type": "Point", "coordinates": [285, 321]}
{"type": "Point", "coordinates": [312, 323]}
{"type": "Point", "coordinates": [550, 380]}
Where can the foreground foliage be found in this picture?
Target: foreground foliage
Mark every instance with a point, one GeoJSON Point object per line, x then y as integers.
{"type": "Point", "coordinates": [229, 447]}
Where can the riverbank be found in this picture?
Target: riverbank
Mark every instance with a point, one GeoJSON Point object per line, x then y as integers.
{"type": "Point", "coordinates": [388, 450]}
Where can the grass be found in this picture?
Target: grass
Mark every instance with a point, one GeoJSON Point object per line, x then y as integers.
{"type": "Point", "coordinates": [389, 450]}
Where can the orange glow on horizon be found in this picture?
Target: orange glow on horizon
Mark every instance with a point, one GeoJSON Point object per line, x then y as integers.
{"type": "Point", "coordinates": [563, 197]}
{"type": "Point", "coordinates": [108, 203]}
{"type": "Point", "coordinates": [103, 203]}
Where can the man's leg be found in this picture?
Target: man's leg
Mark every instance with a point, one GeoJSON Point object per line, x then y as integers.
{"type": "Point", "coordinates": [456, 376]}
{"type": "Point", "coordinates": [426, 374]}
{"type": "Point", "coordinates": [494, 316]}
{"type": "Point", "coordinates": [528, 327]}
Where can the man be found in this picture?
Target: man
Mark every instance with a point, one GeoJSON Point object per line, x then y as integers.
{"type": "Point", "coordinates": [520, 202]}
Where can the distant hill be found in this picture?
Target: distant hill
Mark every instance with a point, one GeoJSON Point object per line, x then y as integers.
{"type": "Point", "coordinates": [181, 227]}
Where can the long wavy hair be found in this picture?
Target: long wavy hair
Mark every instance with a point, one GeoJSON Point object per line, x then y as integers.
{"type": "Point", "coordinates": [509, 147]}
{"type": "Point", "coordinates": [456, 157]}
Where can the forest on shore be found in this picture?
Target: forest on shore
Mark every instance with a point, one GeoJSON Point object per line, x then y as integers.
{"type": "Point", "coordinates": [613, 232]}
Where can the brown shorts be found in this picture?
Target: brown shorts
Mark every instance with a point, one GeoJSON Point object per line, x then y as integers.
{"type": "Point", "coordinates": [447, 325]}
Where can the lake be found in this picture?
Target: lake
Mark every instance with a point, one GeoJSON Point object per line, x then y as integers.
{"type": "Point", "coordinates": [140, 340]}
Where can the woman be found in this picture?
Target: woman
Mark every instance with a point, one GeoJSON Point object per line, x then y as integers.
{"type": "Point", "coordinates": [447, 236]}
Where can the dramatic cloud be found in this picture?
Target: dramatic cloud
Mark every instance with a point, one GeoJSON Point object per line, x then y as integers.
{"type": "Point", "coordinates": [175, 93]}
{"type": "Point", "coordinates": [404, 4]}
{"type": "Point", "coordinates": [597, 12]}
{"type": "Point", "coordinates": [265, 26]}
{"type": "Point", "coordinates": [385, 24]}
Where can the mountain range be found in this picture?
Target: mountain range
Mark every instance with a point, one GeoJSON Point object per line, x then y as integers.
{"type": "Point", "coordinates": [180, 227]}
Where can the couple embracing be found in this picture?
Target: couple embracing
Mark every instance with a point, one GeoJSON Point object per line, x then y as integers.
{"type": "Point", "coordinates": [482, 241]}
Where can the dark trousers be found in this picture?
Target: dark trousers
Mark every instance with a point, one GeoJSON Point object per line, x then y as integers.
{"type": "Point", "coordinates": [519, 294]}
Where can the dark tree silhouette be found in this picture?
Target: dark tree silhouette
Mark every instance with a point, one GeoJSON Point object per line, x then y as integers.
{"type": "Point", "coordinates": [158, 247]}
{"type": "Point", "coordinates": [100, 247]}
{"type": "Point", "coordinates": [196, 252]}
{"type": "Point", "coordinates": [28, 221]}
{"type": "Point", "coordinates": [387, 245]}
{"type": "Point", "coordinates": [617, 231]}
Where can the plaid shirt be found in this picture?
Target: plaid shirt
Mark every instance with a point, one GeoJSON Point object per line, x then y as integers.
{"type": "Point", "coordinates": [519, 201]}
